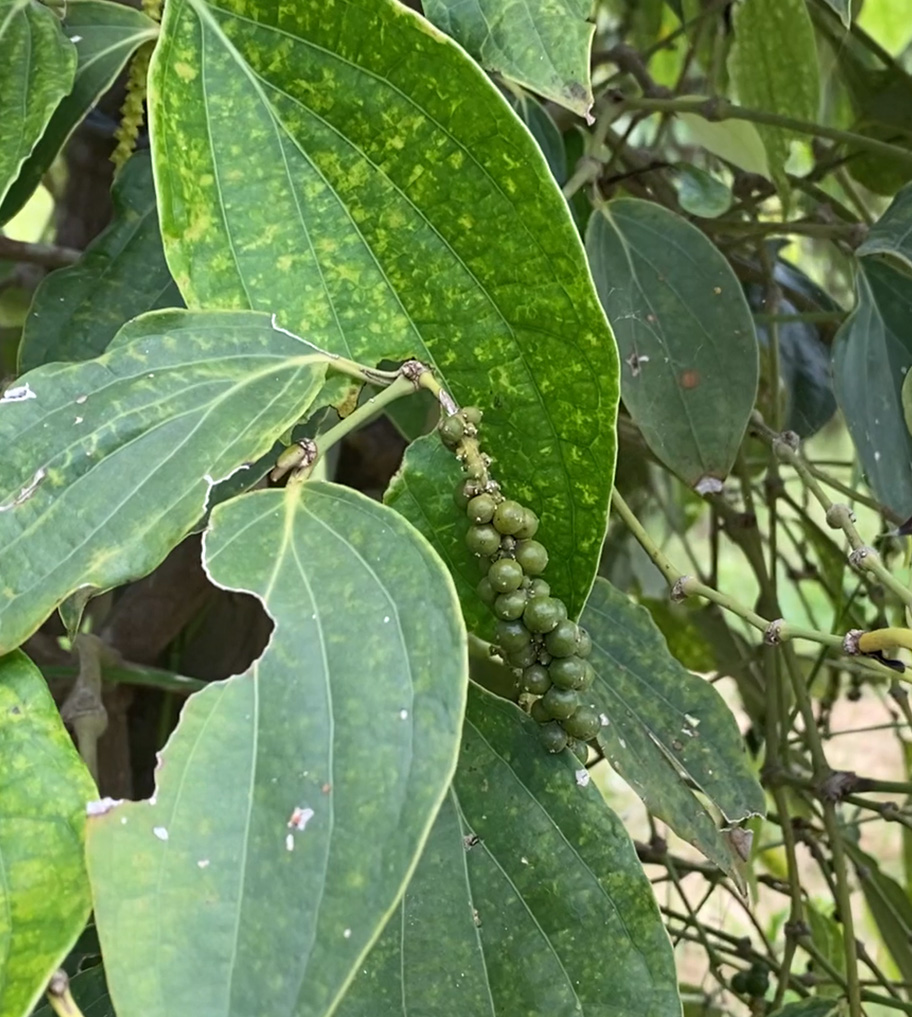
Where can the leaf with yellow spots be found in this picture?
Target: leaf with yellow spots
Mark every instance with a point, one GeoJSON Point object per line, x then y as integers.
{"type": "Point", "coordinates": [331, 756]}
{"type": "Point", "coordinates": [423, 220]}
{"type": "Point", "coordinates": [44, 788]}
{"type": "Point", "coordinates": [109, 463]}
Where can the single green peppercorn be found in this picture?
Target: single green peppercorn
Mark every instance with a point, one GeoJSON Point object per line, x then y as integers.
{"type": "Point", "coordinates": [538, 713]}
{"type": "Point", "coordinates": [461, 495]}
{"type": "Point", "coordinates": [562, 640]}
{"type": "Point", "coordinates": [560, 703]}
{"type": "Point", "coordinates": [584, 644]}
{"type": "Point", "coordinates": [542, 614]}
{"type": "Point", "coordinates": [568, 672]}
{"type": "Point", "coordinates": [584, 723]}
{"type": "Point", "coordinates": [553, 737]}
{"type": "Point", "coordinates": [505, 575]}
{"type": "Point", "coordinates": [523, 658]}
{"type": "Point", "coordinates": [483, 540]}
{"type": "Point", "coordinates": [588, 677]}
{"type": "Point", "coordinates": [529, 525]}
{"type": "Point", "coordinates": [486, 591]}
{"type": "Point", "coordinates": [508, 517]}
{"type": "Point", "coordinates": [511, 635]}
{"type": "Point", "coordinates": [532, 556]}
{"type": "Point", "coordinates": [481, 508]}
{"type": "Point", "coordinates": [579, 749]}
{"type": "Point", "coordinates": [510, 605]}
{"type": "Point", "coordinates": [471, 415]}
{"type": "Point", "coordinates": [452, 430]}
{"type": "Point", "coordinates": [739, 982]}
{"type": "Point", "coordinates": [539, 588]}
{"type": "Point", "coordinates": [536, 680]}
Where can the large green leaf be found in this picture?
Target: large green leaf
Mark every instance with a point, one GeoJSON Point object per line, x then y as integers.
{"type": "Point", "coordinates": [773, 66]}
{"type": "Point", "coordinates": [872, 354]}
{"type": "Point", "coordinates": [665, 724]}
{"type": "Point", "coordinates": [892, 233]}
{"type": "Point", "coordinates": [36, 72]}
{"type": "Point", "coordinates": [348, 167]}
{"type": "Point", "coordinates": [292, 801]}
{"type": "Point", "coordinates": [77, 311]}
{"type": "Point", "coordinates": [104, 34]}
{"type": "Point", "coordinates": [527, 884]}
{"type": "Point", "coordinates": [685, 335]}
{"type": "Point", "coordinates": [543, 46]}
{"type": "Point", "coordinates": [44, 787]}
{"type": "Point", "coordinates": [109, 463]}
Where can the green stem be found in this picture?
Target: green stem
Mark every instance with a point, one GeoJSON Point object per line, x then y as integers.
{"type": "Point", "coordinates": [844, 903]}
{"type": "Point", "coordinates": [721, 109]}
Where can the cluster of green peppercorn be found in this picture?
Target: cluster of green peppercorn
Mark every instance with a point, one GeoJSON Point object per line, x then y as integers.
{"type": "Point", "coordinates": [547, 650]}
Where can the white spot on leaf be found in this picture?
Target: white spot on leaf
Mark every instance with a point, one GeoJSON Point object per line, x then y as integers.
{"type": "Point", "coordinates": [582, 777]}
{"type": "Point", "coordinates": [161, 832]}
{"type": "Point", "coordinates": [403, 714]}
{"type": "Point", "coordinates": [203, 863]}
{"type": "Point", "coordinates": [300, 817]}
{"type": "Point", "coordinates": [18, 394]}
{"type": "Point", "coordinates": [26, 491]}
{"type": "Point", "coordinates": [347, 933]}
{"type": "Point", "coordinates": [289, 842]}
{"type": "Point", "coordinates": [102, 806]}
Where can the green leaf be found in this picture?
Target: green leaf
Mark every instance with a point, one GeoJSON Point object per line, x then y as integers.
{"type": "Point", "coordinates": [813, 1006]}
{"type": "Point", "coordinates": [543, 46]}
{"type": "Point", "coordinates": [843, 10]}
{"type": "Point", "coordinates": [773, 66]}
{"type": "Point", "coordinates": [826, 935]}
{"type": "Point", "coordinates": [44, 787]}
{"type": "Point", "coordinates": [36, 72]}
{"type": "Point", "coordinates": [872, 354]}
{"type": "Point", "coordinates": [735, 141]}
{"type": "Point", "coordinates": [700, 193]}
{"type": "Point", "coordinates": [109, 463]}
{"type": "Point", "coordinates": [90, 993]}
{"type": "Point", "coordinates": [235, 903]}
{"type": "Point", "coordinates": [543, 128]}
{"type": "Point", "coordinates": [527, 879]}
{"type": "Point", "coordinates": [385, 203]}
{"type": "Point", "coordinates": [77, 311]}
{"type": "Point", "coordinates": [892, 233]}
{"type": "Point", "coordinates": [665, 723]}
{"type": "Point", "coordinates": [890, 908]}
{"type": "Point", "coordinates": [105, 35]}
{"type": "Point", "coordinates": [685, 335]}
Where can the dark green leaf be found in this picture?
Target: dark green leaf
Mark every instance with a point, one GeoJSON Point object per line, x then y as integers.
{"type": "Point", "coordinates": [527, 883]}
{"type": "Point", "coordinates": [826, 935]}
{"type": "Point", "coordinates": [90, 993]}
{"type": "Point", "coordinates": [773, 66]}
{"type": "Point", "coordinates": [544, 130]}
{"type": "Point", "coordinates": [331, 757]}
{"type": "Point", "coordinates": [385, 203]}
{"type": "Point", "coordinates": [892, 233]}
{"type": "Point", "coordinates": [77, 311]}
{"type": "Point", "coordinates": [44, 787]}
{"type": "Point", "coordinates": [843, 9]}
{"type": "Point", "coordinates": [890, 908]}
{"type": "Point", "coordinates": [36, 72]}
{"type": "Point", "coordinates": [811, 1007]}
{"type": "Point", "coordinates": [544, 47]}
{"type": "Point", "coordinates": [685, 335]}
{"type": "Point", "coordinates": [871, 356]}
{"type": "Point", "coordinates": [664, 722]}
{"type": "Point", "coordinates": [109, 463]}
{"type": "Point", "coordinates": [700, 193]}
{"type": "Point", "coordinates": [105, 35]}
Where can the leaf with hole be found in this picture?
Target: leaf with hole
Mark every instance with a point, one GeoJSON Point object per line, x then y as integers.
{"type": "Point", "coordinates": [36, 72]}
{"type": "Point", "coordinates": [77, 311]}
{"type": "Point", "coordinates": [110, 462]}
{"type": "Point", "coordinates": [526, 882]}
{"type": "Point", "coordinates": [872, 355]}
{"type": "Point", "coordinates": [44, 787]}
{"type": "Point", "coordinates": [543, 47]}
{"type": "Point", "coordinates": [105, 35]}
{"type": "Point", "coordinates": [667, 728]}
{"type": "Point", "coordinates": [685, 335]}
{"type": "Point", "coordinates": [401, 210]}
{"type": "Point", "coordinates": [332, 755]}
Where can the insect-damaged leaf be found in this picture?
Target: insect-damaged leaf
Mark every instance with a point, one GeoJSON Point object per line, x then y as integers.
{"type": "Point", "coordinates": [666, 724]}
{"type": "Point", "coordinates": [108, 463]}
{"type": "Point", "coordinates": [44, 787]}
{"type": "Point", "coordinates": [689, 364]}
{"type": "Point", "coordinates": [348, 167]}
{"type": "Point", "coordinates": [331, 756]}
{"type": "Point", "coordinates": [528, 881]}
{"type": "Point", "coordinates": [544, 47]}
